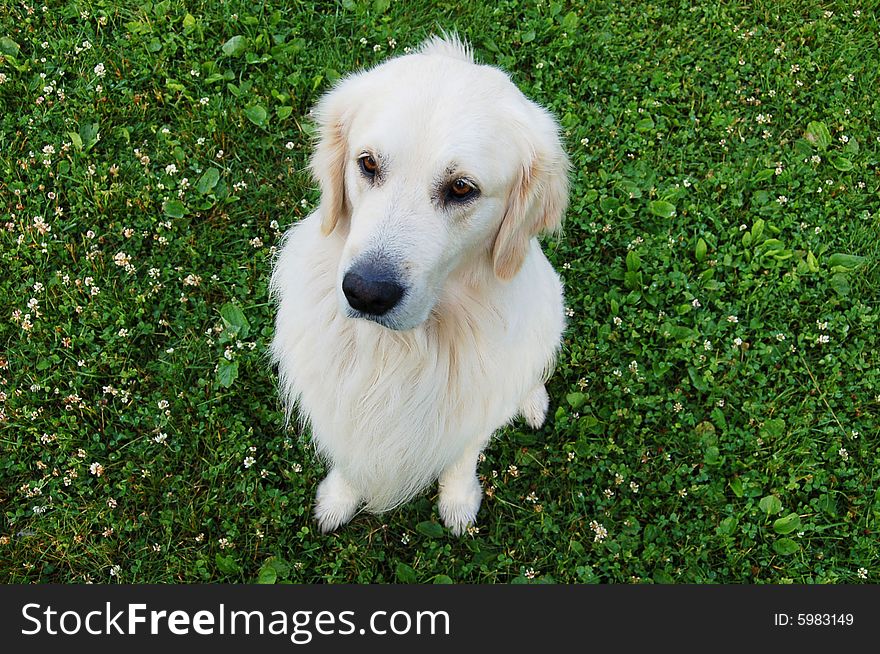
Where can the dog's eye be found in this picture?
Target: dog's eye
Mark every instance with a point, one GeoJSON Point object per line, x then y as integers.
{"type": "Point", "coordinates": [369, 165]}
{"type": "Point", "coordinates": [460, 190]}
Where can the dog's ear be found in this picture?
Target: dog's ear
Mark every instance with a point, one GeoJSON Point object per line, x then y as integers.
{"type": "Point", "coordinates": [538, 198]}
{"type": "Point", "coordinates": [333, 116]}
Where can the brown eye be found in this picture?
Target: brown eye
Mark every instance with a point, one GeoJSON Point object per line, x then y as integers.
{"type": "Point", "coordinates": [369, 165]}
{"type": "Point", "coordinates": [460, 190]}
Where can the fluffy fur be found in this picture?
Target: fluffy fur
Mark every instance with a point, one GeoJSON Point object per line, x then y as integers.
{"type": "Point", "coordinates": [398, 401]}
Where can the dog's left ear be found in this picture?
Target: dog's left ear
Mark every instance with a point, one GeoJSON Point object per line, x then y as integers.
{"type": "Point", "coordinates": [538, 198]}
{"type": "Point", "coordinates": [333, 116]}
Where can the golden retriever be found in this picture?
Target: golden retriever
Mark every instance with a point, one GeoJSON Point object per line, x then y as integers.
{"type": "Point", "coordinates": [417, 313]}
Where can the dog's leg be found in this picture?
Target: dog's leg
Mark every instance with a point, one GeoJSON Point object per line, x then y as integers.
{"type": "Point", "coordinates": [460, 493]}
{"type": "Point", "coordinates": [534, 407]}
{"type": "Point", "coordinates": [336, 501]}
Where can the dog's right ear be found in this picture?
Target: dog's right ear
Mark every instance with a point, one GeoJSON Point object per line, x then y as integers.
{"type": "Point", "coordinates": [333, 116]}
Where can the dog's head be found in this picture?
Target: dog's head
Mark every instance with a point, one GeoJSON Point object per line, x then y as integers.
{"type": "Point", "coordinates": [427, 163]}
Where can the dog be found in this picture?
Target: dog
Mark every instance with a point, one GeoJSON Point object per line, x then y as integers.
{"type": "Point", "coordinates": [416, 312]}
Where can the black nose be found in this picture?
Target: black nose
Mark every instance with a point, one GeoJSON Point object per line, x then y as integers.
{"type": "Point", "coordinates": [371, 290]}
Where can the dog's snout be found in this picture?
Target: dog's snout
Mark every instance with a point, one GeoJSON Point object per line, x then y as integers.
{"type": "Point", "coordinates": [371, 290]}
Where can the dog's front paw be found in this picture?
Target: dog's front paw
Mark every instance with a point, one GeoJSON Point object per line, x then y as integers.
{"type": "Point", "coordinates": [534, 408]}
{"type": "Point", "coordinates": [336, 502]}
{"type": "Point", "coordinates": [459, 503]}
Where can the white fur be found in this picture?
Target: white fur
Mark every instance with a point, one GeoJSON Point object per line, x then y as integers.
{"type": "Point", "coordinates": [413, 397]}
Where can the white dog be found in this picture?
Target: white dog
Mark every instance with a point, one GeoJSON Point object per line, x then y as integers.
{"type": "Point", "coordinates": [416, 312]}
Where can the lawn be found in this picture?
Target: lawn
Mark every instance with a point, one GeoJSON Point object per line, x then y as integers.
{"type": "Point", "coordinates": [715, 411]}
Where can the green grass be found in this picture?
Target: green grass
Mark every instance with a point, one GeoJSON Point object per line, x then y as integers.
{"type": "Point", "coordinates": [716, 404]}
